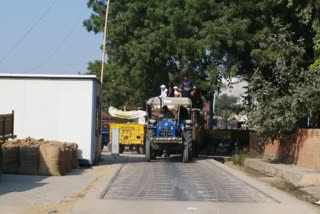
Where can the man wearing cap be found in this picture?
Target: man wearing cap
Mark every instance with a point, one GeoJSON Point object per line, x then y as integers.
{"type": "Point", "coordinates": [177, 92]}
{"type": "Point", "coordinates": [187, 87]}
{"type": "Point", "coordinates": [163, 91]}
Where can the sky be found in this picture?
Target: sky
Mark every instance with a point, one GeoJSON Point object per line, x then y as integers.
{"type": "Point", "coordinates": [46, 37]}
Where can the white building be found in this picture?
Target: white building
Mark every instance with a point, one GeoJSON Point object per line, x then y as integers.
{"type": "Point", "coordinates": [64, 108]}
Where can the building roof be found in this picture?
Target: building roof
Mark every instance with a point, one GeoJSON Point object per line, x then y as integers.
{"type": "Point", "coordinates": [47, 76]}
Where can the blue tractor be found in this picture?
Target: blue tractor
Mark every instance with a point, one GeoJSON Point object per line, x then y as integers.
{"type": "Point", "coordinates": [169, 128]}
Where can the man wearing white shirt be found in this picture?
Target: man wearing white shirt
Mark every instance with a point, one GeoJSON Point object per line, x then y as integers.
{"type": "Point", "coordinates": [163, 91]}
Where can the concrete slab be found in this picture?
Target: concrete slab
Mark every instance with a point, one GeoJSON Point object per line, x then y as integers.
{"type": "Point", "coordinates": [314, 191]}
{"type": "Point", "coordinates": [298, 176]}
{"type": "Point", "coordinates": [282, 203]}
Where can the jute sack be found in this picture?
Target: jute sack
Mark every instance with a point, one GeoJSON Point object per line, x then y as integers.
{"type": "Point", "coordinates": [63, 160]}
{"type": "Point", "coordinates": [75, 163]}
{"type": "Point", "coordinates": [50, 158]}
{"type": "Point", "coordinates": [10, 155]}
{"type": "Point", "coordinates": [29, 157]}
{"type": "Point", "coordinates": [68, 157]}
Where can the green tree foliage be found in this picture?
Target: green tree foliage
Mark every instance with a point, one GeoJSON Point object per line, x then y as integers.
{"type": "Point", "coordinates": [153, 43]}
{"type": "Point", "coordinates": [158, 41]}
{"type": "Point", "coordinates": [275, 43]}
{"type": "Point", "coordinates": [276, 85]}
{"type": "Point", "coordinates": [284, 86]}
{"type": "Point", "coordinates": [227, 104]}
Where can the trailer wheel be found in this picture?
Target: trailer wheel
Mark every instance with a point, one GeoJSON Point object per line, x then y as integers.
{"type": "Point", "coordinates": [187, 146]}
{"type": "Point", "coordinates": [212, 149]}
{"type": "Point", "coordinates": [150, 133]}
{"type": "Point", "coordinates": [109, 147]}
{"type": "Point", "coordinates": [141, 150]}
{"type": "Point", "coordinates": [121, 149]}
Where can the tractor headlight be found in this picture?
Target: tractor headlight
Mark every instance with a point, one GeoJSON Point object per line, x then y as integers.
{"type": "Point", "coordinates": [152, 121]}
{"type": "Point", "coordinates": [188, 122]}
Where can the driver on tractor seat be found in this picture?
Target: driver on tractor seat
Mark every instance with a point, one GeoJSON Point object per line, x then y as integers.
{"type": "Point", "coordinates": [167, 113]}
{"type": "Point", "coordinates": [184, 115]}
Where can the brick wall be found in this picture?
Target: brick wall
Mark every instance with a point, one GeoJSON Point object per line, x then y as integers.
{"type": "Point", "coordinates": [302, 149]}
{"type": "Point", "coordinates": [255, 147]}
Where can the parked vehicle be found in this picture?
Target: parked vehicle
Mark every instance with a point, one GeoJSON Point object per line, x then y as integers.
{"type": "Point", "coordinates": [7, 126]}
{"type": "Point", "coordinates": [6, 131]}
{"type": "Point", "coordinates": [130, 135]}
{"type": "Point", "coordinates": [220, 142]}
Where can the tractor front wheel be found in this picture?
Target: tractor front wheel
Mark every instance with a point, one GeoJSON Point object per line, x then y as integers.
{"type": "Point", "coordinates": [187, 146]}
{"type": "Point", "coordinates": [150, 133]}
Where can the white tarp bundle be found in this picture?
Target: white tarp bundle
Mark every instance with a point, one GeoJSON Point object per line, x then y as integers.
{"type": "Point", "coordinates": [130, 115]}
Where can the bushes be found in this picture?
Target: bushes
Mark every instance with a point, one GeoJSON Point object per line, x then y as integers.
{"type": "Point", "coordinates": [239, 156]}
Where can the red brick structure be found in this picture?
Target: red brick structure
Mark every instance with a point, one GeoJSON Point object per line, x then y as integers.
{"type": "Point", "coordinates": [302, 149]}
{"type": "Point", "coordinates": [255, 147]}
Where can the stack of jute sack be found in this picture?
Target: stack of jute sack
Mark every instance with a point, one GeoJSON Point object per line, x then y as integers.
{"type": "Point", "coordinates": [39, 157]}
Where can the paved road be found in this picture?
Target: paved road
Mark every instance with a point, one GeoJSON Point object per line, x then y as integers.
{"type": "Point", "coordinates": [171, 187]}
{"type": "Point", "coordinates": [199, 180]}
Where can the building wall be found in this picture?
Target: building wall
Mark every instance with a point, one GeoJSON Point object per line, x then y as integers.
{"type": "Point", "coordinates": [52, 109]}
{"type": "Point", "coordinates": [302, 149]}
{"type": "Point", "coordinates": [255, 146]}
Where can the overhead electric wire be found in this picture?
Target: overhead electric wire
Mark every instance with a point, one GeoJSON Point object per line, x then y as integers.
{"type": "Point", "coordinates": [58, 47]}
{"type": "Point", "coordinates": [24, 36]}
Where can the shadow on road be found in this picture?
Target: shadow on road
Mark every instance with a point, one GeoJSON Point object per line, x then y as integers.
{"type": "Point", "coordinates": [133, 157]}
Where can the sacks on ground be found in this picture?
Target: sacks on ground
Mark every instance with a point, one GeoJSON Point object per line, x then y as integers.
{"type": "Point", "coordinates": [10, 155]}
{"type": "Point", "coordinates": [50, 158]}
{"type": "Point", "coordinates": [75, 163]}
{"type": "Point", "coordinates": [68, 157]}
{"type": "Point", "coordinates": [63, 160]}
{"type": "Point", "coordinates": [29, 156]}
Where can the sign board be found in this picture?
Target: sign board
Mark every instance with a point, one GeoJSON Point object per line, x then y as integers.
{"type": "Point", "coordinates": [115, 141]}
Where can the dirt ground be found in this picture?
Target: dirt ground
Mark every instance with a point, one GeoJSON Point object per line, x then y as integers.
{"type": "Point", "coordinates": [65, 206]}
{"type": "Point", "coordinates": [276, 182]}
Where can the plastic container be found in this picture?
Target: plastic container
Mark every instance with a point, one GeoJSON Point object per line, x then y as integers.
{"type": "Point", "coordinates": [105, 137]}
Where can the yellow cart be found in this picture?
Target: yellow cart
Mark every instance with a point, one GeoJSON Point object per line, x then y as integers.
{"type": "Point", "coordinates": [131, 135]}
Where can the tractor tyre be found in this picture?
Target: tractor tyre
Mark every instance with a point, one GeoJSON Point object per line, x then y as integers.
{"type": "Point", "coordinates": [187, 146]}
{"type": "Point", "coordinates": [150, 133]}
{"type": "Point", "coordinates": [212, 149]}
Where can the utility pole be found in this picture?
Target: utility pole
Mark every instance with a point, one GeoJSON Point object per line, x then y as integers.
{"type": "Point", "coordinates": [102, 65]}
{"type": "Point", "coordinates": [104, 41]}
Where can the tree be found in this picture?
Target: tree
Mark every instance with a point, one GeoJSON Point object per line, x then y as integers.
{"type": "Point", "coordinates": [225, 103]}
{"type": "Point", "coordinates": [154, 42]}
{"type": "Point", "coordinates": [281, 85]}
{"type": "Point", "coordinates": [158, 41]}
{"type": "Point", "coordinates": [275, 43]}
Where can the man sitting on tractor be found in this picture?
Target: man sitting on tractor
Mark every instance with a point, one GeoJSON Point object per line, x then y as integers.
{"type": "Point", "coordinates": [167, 113]}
